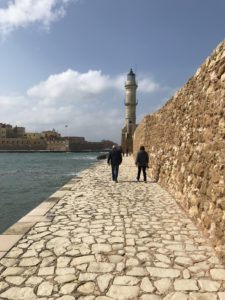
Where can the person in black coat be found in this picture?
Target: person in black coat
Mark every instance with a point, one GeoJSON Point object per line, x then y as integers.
{"type": "Point", "coordinates": [142, 160]}
{"type": "Point", "coordinates": [115, 159]}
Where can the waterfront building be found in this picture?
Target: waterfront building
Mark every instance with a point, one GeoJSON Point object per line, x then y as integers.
{"type": "Point", "coordinates": [6, 130]}
{"type": "Point", "coordinates": [2, 132]}
{"type": "Point", "coordinates": [18, 132]}
{"type": "Point", "coordinates": [58, 145]}
{"type": "Point", "coordinates": [21, 144]}
{"type": "Point", "coordinates": [76, 139]}
{"type": "Point", "coordinates": [34, 135]}
{"type": "Point", "coordinates": [51, 134]}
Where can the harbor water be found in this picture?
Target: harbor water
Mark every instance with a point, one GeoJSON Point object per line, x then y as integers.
{"type": "Point", "coordinates": [26, 179]}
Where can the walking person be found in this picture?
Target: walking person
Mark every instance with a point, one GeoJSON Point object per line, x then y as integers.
{"type": "Point", "coordinates": [142, 160]}
{"type": "Point", "coordinates": [115, 159]}
{"type": "Point", "coordinates": [127, 151]}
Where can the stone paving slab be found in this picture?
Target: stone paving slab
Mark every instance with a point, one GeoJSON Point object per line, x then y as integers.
{"type": "Point", "coordinates": [105, 241]}
{"type": "Point", "coordinates": [34, 219]}
{"type": "Point", "coordinates": [6, 241]}
{"type": "Point", "coordinates": [2, 254]}
{"type": "Point", "coordinates": [19, 228]}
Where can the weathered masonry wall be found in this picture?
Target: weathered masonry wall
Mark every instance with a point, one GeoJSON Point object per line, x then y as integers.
{"type": "Point", "coordinates": [186, 143]}
{"type": "Point", "coordinates": [22, 144]}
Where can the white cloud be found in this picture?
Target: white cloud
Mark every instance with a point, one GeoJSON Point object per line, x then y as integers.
{"type": "Point", "coordinates": [21, 13]}
{"type": "Point", "coordinates": [70, 83]}
{"type": "Point", "coordinates": [90, 103]}
{"type": "Point", "coordinates": [147, 85]}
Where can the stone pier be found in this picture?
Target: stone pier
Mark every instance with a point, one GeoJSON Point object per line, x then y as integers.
{"type": "Point", "coordinates": [98, 240]}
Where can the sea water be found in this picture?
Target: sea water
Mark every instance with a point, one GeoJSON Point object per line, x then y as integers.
{"type": "Point", "coordinates": [26, 179]}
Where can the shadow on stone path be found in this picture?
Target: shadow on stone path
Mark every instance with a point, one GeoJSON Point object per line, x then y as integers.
{"type": "Point", "coordinates": [107, 241]}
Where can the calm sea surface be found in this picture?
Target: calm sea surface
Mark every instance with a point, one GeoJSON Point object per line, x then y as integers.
{"type": "Point", "coordinates": [26, 179]}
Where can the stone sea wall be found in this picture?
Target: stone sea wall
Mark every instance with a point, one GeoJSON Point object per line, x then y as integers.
{"type": "Point", "coordinates": [186, 143]}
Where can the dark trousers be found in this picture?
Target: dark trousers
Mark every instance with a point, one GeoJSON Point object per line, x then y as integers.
{"type": "Point", "coordinates": [139, 172]}
{"type": "Point", "coordinates": [115, 171]}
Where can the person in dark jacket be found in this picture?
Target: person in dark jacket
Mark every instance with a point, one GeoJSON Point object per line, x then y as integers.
{"type": "Point", "coordinates": [142, 160]}
{"type": "Point", "coordinates": [115, 159]}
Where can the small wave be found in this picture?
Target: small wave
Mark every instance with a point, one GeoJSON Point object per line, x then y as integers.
{"type": "Point", "coordinates": [84, 158]}
{"type": "Point", "coordinates": [72, 174]}
{"type": "Point", "coordinates": [12, 172]}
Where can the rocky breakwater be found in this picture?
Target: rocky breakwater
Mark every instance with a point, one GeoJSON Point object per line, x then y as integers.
{"type": "Point", "coordinates": [186, 143]}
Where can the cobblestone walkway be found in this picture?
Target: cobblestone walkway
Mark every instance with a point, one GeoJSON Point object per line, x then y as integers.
{"type": "Point", "coordinates": [113, 241]}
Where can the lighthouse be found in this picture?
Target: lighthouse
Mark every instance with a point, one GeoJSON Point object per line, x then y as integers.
{"type": "Point", "coordinates": [130, 112]}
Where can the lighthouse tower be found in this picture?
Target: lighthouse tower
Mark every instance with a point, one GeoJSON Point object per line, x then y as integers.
{"type": "Point", "coordinates": [130, 112]}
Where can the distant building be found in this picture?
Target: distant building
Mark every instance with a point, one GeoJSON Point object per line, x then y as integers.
{"type": "Point", "coordinates": [82, 145]}
{"type": "Point", "coordinates": [76, 139]}
{"type": "Point", "coordinates": [6, 130]}
{"type": "Point", "coordinates": [20, 144]}
{"type": "Point", "coordinates": [18, 132]}
{"type": "Point", "coordinates": [34, 135]}
{"type": "Point", "coordinates": [58, 146]}
{"type": "Point", "coordinates": [2, 132]}
{"type": "Point", "coordinates": [51, 134]}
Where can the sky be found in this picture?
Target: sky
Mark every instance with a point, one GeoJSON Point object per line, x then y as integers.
{"type": "Point", "coordinates": [65, 62]}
